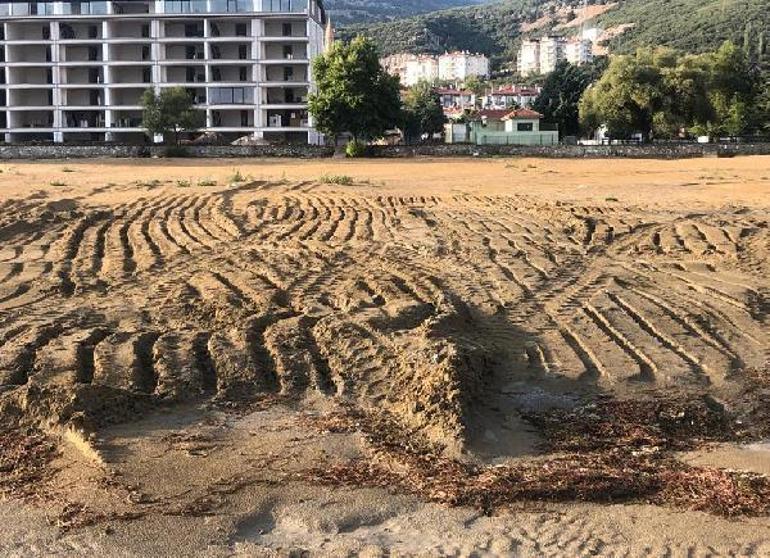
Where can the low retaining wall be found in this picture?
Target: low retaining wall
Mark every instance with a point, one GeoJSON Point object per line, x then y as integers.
{"type": "Point", "coordinates": [139, 151]}
{"type": "Point", "coordinates": [684, 151]}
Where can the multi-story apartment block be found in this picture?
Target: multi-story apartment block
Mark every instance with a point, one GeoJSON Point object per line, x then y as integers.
{"type": "Point", "coordinates": [540, 56]}
{"type": "Point", "coordinates": [462, 65]}
{"type": "Point", "coordinates": [552, 51]}
{"type": "Point", "coordinates": [454, 66]}
{"type": "Point", "coordinates": [420, 68]}
{"type": "Point", "coordinates": [76, 70]}
{"type": "Point", "coordinates": [529, 58]}
{"type": "Point", "coordinates": [579, 51]}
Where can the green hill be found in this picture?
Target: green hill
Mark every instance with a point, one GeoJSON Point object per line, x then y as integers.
{"type": "Point", "coordinates": [490, 29]}
{"type": "Point", "coordinates": [495, 29]}
{"type": "Point", "coordinates": [357, 11]}
{"type": "Point", "coordinates": [688, 25]}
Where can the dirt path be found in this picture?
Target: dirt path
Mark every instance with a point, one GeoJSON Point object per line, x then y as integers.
{"type": "Point", "coordinates": [451, 295]}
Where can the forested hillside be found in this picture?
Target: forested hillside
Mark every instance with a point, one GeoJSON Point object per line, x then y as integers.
{"type": "Point", "coordinates": [492, 29]}
{"type": "Point", "coordinates": [357, 11]}
{"type": "Point", "coordinates": [689, 25]}
{"type": "Point", "coordinates": [496, 29]}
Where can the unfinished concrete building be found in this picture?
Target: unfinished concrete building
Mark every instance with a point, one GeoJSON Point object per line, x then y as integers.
{"type": "Point", "coordinates": [75, 71]}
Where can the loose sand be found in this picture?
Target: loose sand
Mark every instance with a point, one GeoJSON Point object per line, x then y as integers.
{"type": "Point", "coordinates": [177, 335]}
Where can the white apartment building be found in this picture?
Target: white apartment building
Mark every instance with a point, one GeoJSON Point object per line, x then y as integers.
{"type": "Point", "coordinates": [454, 66]}
{"type": "Point", "coordinates": [462, 65]}
{"type": "Point", "coordinates": [420, 68]}
{"type": "Point", "coordinates": [529, 58]}
{"type": "Point", "coordinates": [540, 56]}
{"type": "Point", "coordinates": [76, 70]}
{"type": "Point", "coordinates": [552, 51]}
{"type": "Point", "coordinates": [579, 51]}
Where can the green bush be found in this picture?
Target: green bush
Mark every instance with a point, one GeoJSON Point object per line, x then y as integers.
{"type": "Point", "coordinates": [342, 180]}
{"type": "Point", "coordinates": [355, 149]}
{"type": "Point", "coordinates": [238, 176]}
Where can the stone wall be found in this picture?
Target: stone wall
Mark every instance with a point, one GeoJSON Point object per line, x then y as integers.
{"type": "Point", "coordinates": [71, 151]}
{"type": "Point", "coordinates": [659, 151]}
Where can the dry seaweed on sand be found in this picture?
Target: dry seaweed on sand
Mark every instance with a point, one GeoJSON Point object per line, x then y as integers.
{"type": "Point", "coordinates": [670, 423]}
{"type": "Point", "coordinates": [25, 459]}
{"type": "Point", "coordinates": [630, 459]}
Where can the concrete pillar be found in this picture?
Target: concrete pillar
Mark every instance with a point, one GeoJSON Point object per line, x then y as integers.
{"type": "Point", "coordinates": [156, 54]}
{"type": "Point", "coordinates": [57, 94]}
{"type": "Point", "coordinates": [257, 30]}
{"type": "Point", "coordinates": [108, 77]}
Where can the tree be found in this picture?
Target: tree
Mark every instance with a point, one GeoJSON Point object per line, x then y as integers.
{"type": "Point", "coordinates": [354, 93]}
{"type": "Point", "coordinates": [733, 91]}
{"type": "Point", "coordinates": [559, 100]}
{"type": "Point", "coordinates": [423, 113]}
{"type": "Point", "coordinates": [628, 94]}
{"type": "Point", "coordinates": [475, 85]}
{"type": "Point", "coordinates": [170, 112]}
{"type": "Point", "coordinates": [663, 94]}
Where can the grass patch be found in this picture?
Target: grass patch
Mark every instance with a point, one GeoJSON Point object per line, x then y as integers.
{"type": "Point", "coordinates": [207, 182]}
{"type": "Point", "coordinates": [339, 179]}
{"type": "Point", "coordinates": [611, 199]}
{"type": "Point", "coordinates": [67, 169]}
{"type": "Point", "coordinates": [183, 183]}
{"type": "Point", "coordinates": [238, 177]}
{"type": "Point", "coordinates": [58, 183]}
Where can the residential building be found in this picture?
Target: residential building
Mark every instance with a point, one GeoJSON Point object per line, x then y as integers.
{"type": "Point", "coordinates": [457, 99]}
{"type": "Point", "coordinates": [593, 34]}
{"type": "Point", "coordinates": [579, 52]}
{"type": "Point", "coordinates": [540, 56]}
{"type": "Point", "coordinates": [529, 58]}
{"type": "Point", "coordinates": [460, 66]}
{"type": "Point", "coordinates": [420, 68]}
{"type": "Point", "coordinates": [76, 70]}
{"type": "Point", "coordinates": [494, 127]}
{"type": "Point", "coordinates": [510, 96]}
{"type": "Point", "coordinates": [552, 51]}
{"type": "Point", "coordinates": [455, 66]}
{"type": "Point", "coordinates": [395, 64]}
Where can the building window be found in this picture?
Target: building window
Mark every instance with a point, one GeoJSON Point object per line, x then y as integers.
{"type": "Point", "coordinates": [231, 96]}
{"type": "Point", "coordinates": [525, 127]}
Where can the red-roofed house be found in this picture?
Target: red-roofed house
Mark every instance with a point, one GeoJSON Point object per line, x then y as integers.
{"type": "Point", "coordinates": [509, 96]}
{"type": "Point", "coordinates": [522, 120]}
{"type": "Point", "coordinates": [504, 127]}
{"type": "Point", "coordinates": [456, 98]}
